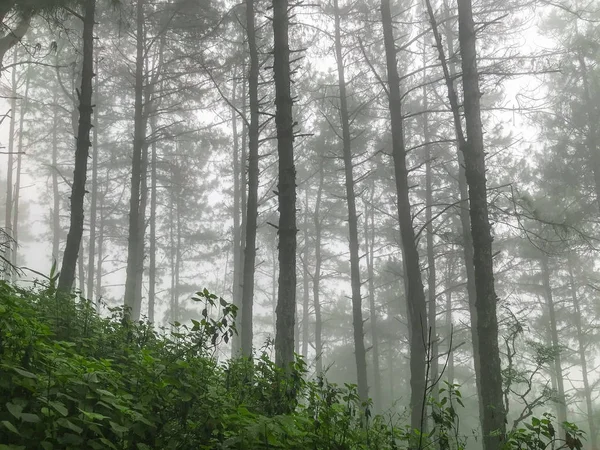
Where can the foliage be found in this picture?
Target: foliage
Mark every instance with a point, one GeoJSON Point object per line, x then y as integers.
{"type": "Point", "coordinates": [70, 379]}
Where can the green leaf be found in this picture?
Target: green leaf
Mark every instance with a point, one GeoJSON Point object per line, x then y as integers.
{"type": "Point", "coordinates": [47, 445]}
{"type": "Point", "coordinates": [60, 408]}
{"type": "Point", "coordinates": [9, 426]}
{"type": "Point", "coordinates": [30, 418]}
{"type": "Point", "coordinates": [24, 373]}
{"type": "Point", "coordinates": [15, 410]}
{"type": "Point", "coordinates": [104, 392]}
{"type": "Point", "coordinates": [69, 425]}
{"type": "Point", "coordinates": [119, 429]}
{"type": "Point", "coordinates": [107, 443]}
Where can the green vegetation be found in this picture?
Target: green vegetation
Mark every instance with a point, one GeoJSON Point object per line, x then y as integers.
{"type": "Point", "coordinates": [70, 379]}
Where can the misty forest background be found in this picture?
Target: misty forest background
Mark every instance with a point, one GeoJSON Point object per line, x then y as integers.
{"type": "Point", "coordinates": [404, 193]}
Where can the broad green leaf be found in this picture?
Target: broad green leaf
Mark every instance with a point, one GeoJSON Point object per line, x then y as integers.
{"type": "Point", "coordinates": [119, 429]}
{"type": "Point", "coordinates": [24, 373]}
{"type": "Point", "coordinates": [15, 410]}
{"type": "Point", "coordinates": [60, 408]}
{"type": "Point", "coordinates": [70, 425]}
{"type": "Point", "coordinates": [9, 426]}
{"type": "Point", "coordinates": [30, 418]}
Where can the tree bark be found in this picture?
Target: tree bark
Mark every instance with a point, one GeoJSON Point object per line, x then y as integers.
{"type": "Point", "coordinates": [561, 405]}
{"type": "Point", "coordinates": [17, 193]}
{"type": "Point", "coordinates": [417, 313]}
{"type": "Point", "coordinates": [286, 295]}
{"type": "Point", "coordinates": [94, 197]}
{"type": "Point", "coordinates": [152, 237]}
{"type": "Point", "coordinates": [305, 283]}
{"type": "Point", "coordinates": [431, 279]}
{"type": "Point", "coordinates": [236, 291]}
{"type": "Point", "coordinates": [69, 262]}
{"type": "Point", "coordinates": [56, 231]}
{"type": "Point", "coordinates": [10, 166]}
{"type": "Point", "coordinates": [370, 257]}
{"type": "Point", "coordinates": [252, 199]}
{"type": "Point", "coordinates": [493, 416]}
{"type": "Point", "coordinates": [464, 213]}
{"type": "Point", "coordinates": [317, 275]}
{"type": "Point", "coordinates": [581, 349]}
{"type": "Point", "coordinates": [139, 139]}
{"type": "Point", "coordinates": [357, 318]}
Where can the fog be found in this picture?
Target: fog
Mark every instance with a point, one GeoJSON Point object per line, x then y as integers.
{"type": "Point", "coordinates": [402, 194]}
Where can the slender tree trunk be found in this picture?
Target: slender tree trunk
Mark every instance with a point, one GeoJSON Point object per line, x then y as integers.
{"type": "Point", "coordinates": [592, 132]}
{"type": "Point", "coordinates": [417, 313]}
{"type": "Point", "coordinates": [94, 197]}
{"type": "Point", "coordinates": [581, 349]}
{"type": "Point", "coordinates": [81, 271]}
{"type": "Point", "coordinates": [17, 194]}
{"type": "Point", "coordinates": [153, 206]}
{"type": "Point", "coordinates": [317, 275]}
{"type": "Point", "coordinates": [172, 253]}
{"type": "Point", "coordinates": [253, 172]}
{"type": "Point", "coordinates": [56, 231]}
{"type": "Point", "coordinates": [141, 233]}
{"type": "Point", "coordinates": [431, 279]}
{"type": "Point", "coordinates": [236, 291]}
{"type": "Point", "coordinates": [465, 219]}
{"type": "Point", "coordinates": [67, 273]}
{"type": "Point", "coordinates": [370, 260]}
{"type": "Point", "coordinates": [357, 318]}
{"type": "Point", "coordinates": [493, 416]}
{"type": "Point", "coordinates": [10, 166]}
{"type": "Point", "coordinates": [305, 283]}
{"type": "Point", "coordinates": [286, 295]}
{"type": "Point", "coordinates": [100, 252]}
{"type": "Point", "coordinates": [139, 138]}
{"type": "Point", "coordinates": [561, 405]}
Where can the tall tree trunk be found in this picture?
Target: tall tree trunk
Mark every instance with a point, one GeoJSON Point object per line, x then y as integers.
{"type": "Point", "coordinates": [236, 290]}
{"type": "Point", "coordinates": [492, 412]}
{"type": "Point", "coordinates": [317, 275]}
{"type": "Point", "coordinates": [56, 231]}
{"type": "Point", "coordinates": [561, 405]}
{"type": "Point", "coordinates": [10, 166]}
{"type": "Point", "coordinates": [152, 237]}
{"type": "Point", "coordinates": [493, 416]}
{"type": "Point", "coordinates": [431, 279]}
{"type": "Point", "coordinates": [417, 313]}
{"type": "Point", "coordinates": [81, 271]}
{"type": "Point", "coordinates": [94, 197]}
{"type": "Point", "coordinates": [141, 232]}
{"type": "Point", "coordinates": [67, 273]}
{"type": "Point", "coordinates": [17, 194]}
{"type": "Point", "coordinates": [464, 215]}
{"type": "Point", "coordinates": [592, 132]}
{"type": "Point", "coordinates": [286, 295]}
{"type": "Point", "coordinates": [581, 349]}
{"type": "Point", "coordinates": [253, 172]}
{"type": "Point", "coordinates": [357, 318]}
{"type": "Point", "coordinates": [100, 252]}
{"type": "Point", "coordinates": [370, 260]}
{"type": "Point", "coordinates": [305, 282]}
{"type": "Point", "coordinates": [139, 139]}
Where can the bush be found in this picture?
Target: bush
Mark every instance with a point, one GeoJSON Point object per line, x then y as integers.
{"type": "Point", "coordinates": [70, 379]}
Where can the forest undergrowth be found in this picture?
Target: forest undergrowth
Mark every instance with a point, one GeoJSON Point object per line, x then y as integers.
{"type": "Point", "coordinates": [71, 379]}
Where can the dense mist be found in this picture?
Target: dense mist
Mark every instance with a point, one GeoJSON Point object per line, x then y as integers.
{"type": "Point", "coordinates": [336, 224]}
